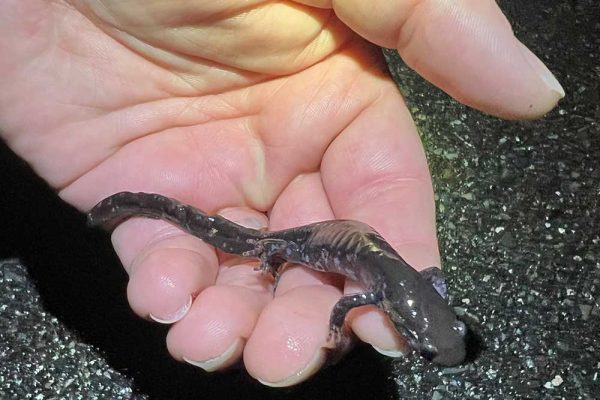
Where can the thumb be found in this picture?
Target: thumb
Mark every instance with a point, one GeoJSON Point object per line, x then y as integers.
{"type": "Point", "coordinates": [465, 47]}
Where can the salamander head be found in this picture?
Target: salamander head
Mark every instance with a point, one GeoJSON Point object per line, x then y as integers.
{"type": "Point", "coordinates": [444, 347]}
{"type": "Point", "coordinates": [426, 320]}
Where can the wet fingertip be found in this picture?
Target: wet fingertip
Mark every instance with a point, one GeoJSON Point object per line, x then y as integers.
{"type": "Point", "coordinates": [314, 365]}
{"type": "Point", "coordinates": [375, 328]}
{"type": "Point", "coordinates": [175, 316]}
{"type": "Point", "coordinates": [224, 360]}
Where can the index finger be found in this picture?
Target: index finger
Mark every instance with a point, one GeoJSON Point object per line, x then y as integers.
{"type": "Point", "coordinates": [376, 172]}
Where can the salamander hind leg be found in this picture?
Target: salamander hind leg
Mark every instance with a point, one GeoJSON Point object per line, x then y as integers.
{"type": "Point", "coordinates": [271, 253]}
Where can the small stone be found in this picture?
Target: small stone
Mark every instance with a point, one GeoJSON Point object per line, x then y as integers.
{"type": "Point", "coordinates": [557, 381]}
{"type": "Point", "coordinates": [586, 310]}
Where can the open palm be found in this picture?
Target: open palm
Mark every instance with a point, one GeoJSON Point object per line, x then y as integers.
{"type": "Point", "coordinates": [273, 114]}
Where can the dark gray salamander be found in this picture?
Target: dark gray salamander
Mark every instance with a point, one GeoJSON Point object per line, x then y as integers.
{"type": "Point", "coordinates": [413, 300]}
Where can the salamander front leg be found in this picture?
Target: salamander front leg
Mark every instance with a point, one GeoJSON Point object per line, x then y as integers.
{"type": "Point", "coordinates": [339, 334]}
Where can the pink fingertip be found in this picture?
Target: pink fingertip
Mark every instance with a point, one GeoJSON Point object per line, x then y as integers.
{"type": "Point", "coordinates": [224, 360]}
{"type": "Point", "coordinates": [314, 365]}
{"type": "Point", "coordinates": [174, 316]}
{"type": "Point", "coordinates": [372, 326]}
{"type": "Point", "coordinates": [542, 71]}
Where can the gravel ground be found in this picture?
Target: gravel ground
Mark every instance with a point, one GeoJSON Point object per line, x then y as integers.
{"type": "Point", "coordinates": [519, 229]}
{"type": "Point", "coordinates": [41, 358]}
{"type": "Point", "coordinates": [519, 224]}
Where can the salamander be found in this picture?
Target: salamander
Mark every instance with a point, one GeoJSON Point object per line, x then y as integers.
{"type": "Point", "coordinates": [414, 301]}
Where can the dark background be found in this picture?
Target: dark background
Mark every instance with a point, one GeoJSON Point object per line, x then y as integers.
{"type": "Point", "coordinates": [519, 231]}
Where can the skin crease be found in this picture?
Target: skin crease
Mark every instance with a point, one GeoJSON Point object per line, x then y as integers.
{"type": "Point", "coordinates": [253, 109]}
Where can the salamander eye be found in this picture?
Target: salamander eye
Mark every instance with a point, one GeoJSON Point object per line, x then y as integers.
{"type": "Point", "coordinates": [459, 327]}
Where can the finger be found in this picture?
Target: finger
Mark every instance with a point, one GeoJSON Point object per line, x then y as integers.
{"type": "Point", "coordinates": [166, 267]}
{"type": "Point", "coordinates": [371, 325]}
{"type": "Point", "coordinates": [165, 263]}
{"type": "Point", "coordinates": [286, 346]}
{"type": "Point", "coordinates": [465, 47]}
{"type": "Point", "coordinates": [302, 202]}
{"type": "Point", "coordinates": [376, 172]}
{"type": "Point", "coordinates": [213, 334]}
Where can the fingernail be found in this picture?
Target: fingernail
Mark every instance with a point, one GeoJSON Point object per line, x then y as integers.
{"type": "Point", "coordinates": [310, 369]}
{"type": "Point", "coordinates": [253, 223]}
{"type": "Point", "coordinates": [175, 316]}
{"type": "Point", "coordinates": [227, 358]}
{"type": "Point", "coordinates": [394, 353]}
{"type": "Point", "coordinates": [241, 217]}
{"type": "Point", "coordinates": [542, 71]}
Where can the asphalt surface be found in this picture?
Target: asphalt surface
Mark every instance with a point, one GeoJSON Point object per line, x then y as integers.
{"type": "Point", "coordinates": [519, 228]}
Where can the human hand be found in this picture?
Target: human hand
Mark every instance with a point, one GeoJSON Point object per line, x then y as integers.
{"type": "Point", "coordinates": [244, 108]}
